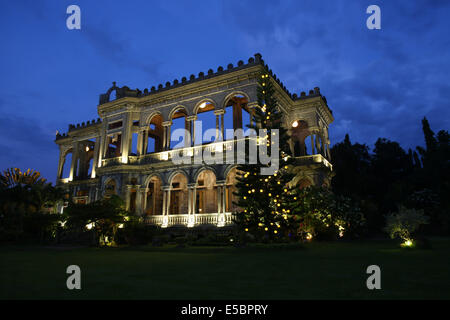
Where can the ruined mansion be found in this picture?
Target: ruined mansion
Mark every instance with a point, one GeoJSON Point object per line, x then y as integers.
{"type": "Point", "coordinates": [127, 151]}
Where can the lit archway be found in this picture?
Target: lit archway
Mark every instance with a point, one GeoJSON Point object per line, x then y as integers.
{"type": "Point", "coordinates": [206, 192]}
{"type": "Point", "coordinates": [205, 115]}
{"type": "Point", "coordinates": [299, 132]}
{"type": "Point", "coordinates": [155, 134]}
{"type": "Point", "coordinates": [154, 197]}
{"type": "Point", "coordinates": [178, 116]}
{"type": "Point", "coordinates": [237, 113]}
{"type": "Point", "coordinates": [178, 194]}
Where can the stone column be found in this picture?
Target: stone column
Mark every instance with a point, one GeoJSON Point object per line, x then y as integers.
{"type": "Point", "coordinates": [145, 142]}
{"type": "Point", "coordinates": [188, 135]}
{"type": "Point", "coordinates": [222, 126]}
{"type": "Point", "coordinates": [95, 162]}
{"type": "Point", "coordinates": [140, 142]}
{"type": "Point", "coordinates": [219, 198]}
{"type": "Point", "coordinates": [168, 201]}
{"type": "Point", "coordinates": [73, 166]}
{"type": "Point", "coordinates": [316, 136]}
{"type": "Point", "coordinates": [194, 198]}
{"type": "Point", "coordinates": [139, 200]}
{"type": "Point", "coordinates": [224, 198]}
{"type": "Point", "coordinates": [219, 125]}
{"type": "Point", "coordinates": [221, 204]}
{"type": "Point", "coordinates": [166, 134]}
{"type": "Point", "coordinates": [191, 213]}
{"type": "Point", "coordinates": [191, 120]}
{"type": "Point", "coordinates": [189, 200]}
{"type": "Point", "coordinates": [126, 136]}
{"type": "Point", "coordinates": [127, 197]}
{"type": "Point", "coordinates": [102, 145]}
{"type": "Point", "coordinates": [61, 162]}
{"type": "Point", "coordinates": [164, 203]}
{"type": "Point", "coordinates": [144, 200]}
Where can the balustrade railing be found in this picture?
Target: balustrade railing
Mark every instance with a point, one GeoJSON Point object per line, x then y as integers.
{"type": "Point", "coordinates": [184, 219]}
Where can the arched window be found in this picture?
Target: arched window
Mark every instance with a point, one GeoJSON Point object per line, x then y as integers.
{"type": "Point", "coordinates": [299, 132]}
{"type": "Point", "coordinates": [154, 197]}
{"type": "Point", "coordinates": [207, 118]}
{"type": "Point", "coordinates": [65, 172]}
{"type": "Point", "coordinates": [237, 114]}
{"type": "Point", "coordinates": [178, 122]}
{"type": "Point", "coordinates": [178, 195]}
{"type": "Point", "coordinates": [155, 135]}
{"type": "Point", "coordinates": [206, 193]}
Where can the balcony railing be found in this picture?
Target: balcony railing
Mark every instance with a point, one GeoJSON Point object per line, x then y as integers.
{"type": "Point", "coordinates": [190, 154]}
{"type": "Point", "coordinates": [187, 152]}
{"type": "Point", "coordinates": [218, 219]}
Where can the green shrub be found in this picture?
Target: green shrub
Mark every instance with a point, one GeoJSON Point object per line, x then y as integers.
{"type": "Point", "coordinates": [405, 223]}
{"type": "Point", "coordinates": [136, 233]}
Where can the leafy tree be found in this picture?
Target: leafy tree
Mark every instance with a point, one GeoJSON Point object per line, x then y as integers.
{"type": "Point", "coordinates": [351, 162]}
{"type": "Point", "coordinates": [404, 223]}
{"type": "Point", "coordinates": [318, 212]}
{"type": "Point", "coordinates": [103, 216]}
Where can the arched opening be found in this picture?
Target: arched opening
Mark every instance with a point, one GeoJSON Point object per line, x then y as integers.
{"type": "Point", "coordinates": [178, 122]}
{"type": "Point", "coordinates": [230, 188]}
{"type": "Point", "coordinates": [110, 188]}
{"type": "Point", "coordinates": [113, 95]}
{"type": "Point", "coordinates": [206, 193]}
{"type": "Point", "coordinates": [113, 146]}
{"type": "Point", "coordinates": [178, 195]}
{"type": "Point", "coordinates": [65, 172]}
{"type": "Point", "coordinates": [154, 197]}
{"type": "Point", "coordinates": [237, 114]}
{"type": "Point", "coordinates": [90, 166]}
{"type": "Point", "coordinates": [207, 118]}
{"type": "Point", "coordinates": [85, 160]}
{"type": "Point", "coordinates": [155, 135]}
{"type": "Point", "coordinates": [299, 132]}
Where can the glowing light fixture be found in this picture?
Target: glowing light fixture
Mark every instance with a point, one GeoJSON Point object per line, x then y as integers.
{"type": "Point", "coordinates": [295, 124]}
{"type": "Point", "coordinates": [309, 236]}
{"type": "Point", "coordinates": [407, 243]}
{"type": "Point", "coordinates": [202, 105]}
{"type": "Point", "coordinates": [89, 226]}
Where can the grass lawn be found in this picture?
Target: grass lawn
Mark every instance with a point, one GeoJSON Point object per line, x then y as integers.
{"type": "Point", "coordinates": [318, 271]}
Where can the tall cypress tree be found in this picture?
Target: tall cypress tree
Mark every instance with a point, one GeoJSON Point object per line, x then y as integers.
{"type": "Point", "coordinates": [263, 210]}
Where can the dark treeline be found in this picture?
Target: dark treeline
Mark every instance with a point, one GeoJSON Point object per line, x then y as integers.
{"type": "Point", "coordinates": [382, 179]}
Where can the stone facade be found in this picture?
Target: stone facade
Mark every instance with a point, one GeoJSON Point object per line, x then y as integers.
{"type": "Point", "coordinates": [128, 151]}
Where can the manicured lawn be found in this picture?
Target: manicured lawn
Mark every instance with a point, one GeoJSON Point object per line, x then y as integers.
{"type": "Point", "coordinates": [318, 271]}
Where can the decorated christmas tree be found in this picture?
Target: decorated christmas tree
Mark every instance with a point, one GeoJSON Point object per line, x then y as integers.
{"type": "Point", "coordinates": [263, 197]}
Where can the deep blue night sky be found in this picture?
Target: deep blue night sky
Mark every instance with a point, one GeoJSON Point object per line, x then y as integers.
{"type": "Point", "coordinates": [379, 83]}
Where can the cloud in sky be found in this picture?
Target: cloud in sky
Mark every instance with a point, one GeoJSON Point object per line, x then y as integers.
{"type": "Point", "coordinates": [378, 83]}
